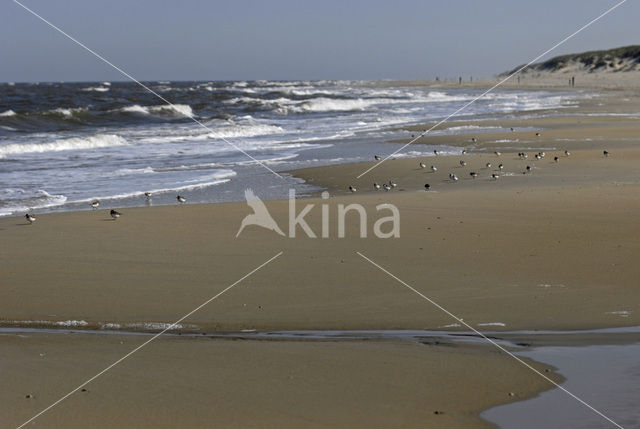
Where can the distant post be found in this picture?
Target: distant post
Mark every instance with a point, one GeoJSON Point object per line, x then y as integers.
{"type": "Point", "coordinates": [460, 80]}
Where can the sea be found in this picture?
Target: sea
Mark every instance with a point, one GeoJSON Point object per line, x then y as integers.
{"type": "Point", "coordinates": [63, 145]}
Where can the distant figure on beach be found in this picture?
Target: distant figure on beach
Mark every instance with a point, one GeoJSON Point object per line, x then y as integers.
{"type": "Point", "coordinates": [460, 80]}
{"type": "Point", "coordinates": [573, 81]}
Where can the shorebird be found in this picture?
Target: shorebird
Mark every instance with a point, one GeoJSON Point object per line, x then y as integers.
{"type": "Point", "coordinates": [114, 214]}
{"type": "Point", "coordinates": [605, 153]}
{"type": "Point", "coordinates": [542, 154]}
{"type": "Point", "coordinates": [386, 187]}
{"type": "Point", "coordinates": [511, 128]}
{"type": "Point", "coordinates": [567, 153]}
{"type": "Point", "coordinates": [147, 194]}
{"type": "Point", "coordinates": [494, 176]}
{"type": "Point", "coordinates": [352, 189]}
{"type": "Point", "coordinates": [501, 167]}
{"type": "Point", "coordinates": [95, 204]}
{"type": "Point", "coordinates": [473, 139]}
{"type": "Point", "coordinates": [528, 168]}
{"type": "Point", "coordinates": [376, 186]}
{"type": "Point", "coordinates": [181, 199]}
{"type": "Point", "coordinates": [30, 218]}
{"type": "Point", "coordinates": [497, 153]}
{"type": "Point", "coordinates": [463, 163]}
{"type": "Point", "coordinates": [555, 158]}
{"type": "Point", "coordinates": [423, 165]}
{"type": "Point", "coordinates": [392, 183]}
{"type": "Point", "coordinates": [488, 165]}
{"type": "Point", "coordinates": [435, 151]}
{"type": "Point", "coordinates": [453, 177]}
{"type": "Point", "coordinates": [376, 157]}
{"type": "Point", "coordinates": [537, 134]}
{"type": "Point", "coordinates": [427, 186]}
{"type": "Point", "coordinates": [538, 157]}
{"type": "Point", "coordinates": [473, 174]}
{"type": "Point", "coordinates": [464, 151]}
{"type": "Point", "coordinates": [433, 168]}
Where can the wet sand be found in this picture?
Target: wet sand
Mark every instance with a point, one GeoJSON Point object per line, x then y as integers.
{"type": "Point", "coordinates": [553, 249]}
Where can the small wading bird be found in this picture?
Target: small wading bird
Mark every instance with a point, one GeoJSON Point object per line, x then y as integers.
{"type": "Point", "coordinates": [423, 165]}
{"type": "Point", "coordinates": [427, 186]}
{"type": "Point", "coordinates": [494, 176]}
{"type": "Point", "coordinates": [392, 183]}
{"type": "Point", "coordinates": [352, 189]}
{"type": "Point", "coordinates": [453, 177]}
{"type": "Point", "coordinates": [386, 187]}
{"type": "Point", "coordinates": [473, 174]}
{"type": "Point", "coordinates": [147, 194]}
{"type": "Point", "coordinates": [435, 152]}
{"type": "Point", "coordinates": [488, 165]}
{"type": "Point", "coordinates": [567, 153]}
{"type": "Point", "coordinates": [464, 151]}
{"type": "Point", "coordinates": [376, 186]}
{"type": "Point", "coordinates": [376, 157]}
{"type": "Point", "coordinates": [181, 199]}
{"type": "Point", "coordinates": [30, 218]}
{"type": "Point", "coordinates": [497, 153]}
{"type": "Point", "coordinates": [260, 215]}
{"type": "Point", "coordinates": [95, 204]}
{"type": "Point", "coordinates": [605, 153]}
{"type": "Point", "coordinates": [115, 214]}
{"type": "Point", "coordinates": [501, 167]}
{"type": "Point", "coordinates": [463, 163]}
{"type": "Point", "coordinates": [433, 168]}
{"type": "Point", "coordinates": [555, 158]}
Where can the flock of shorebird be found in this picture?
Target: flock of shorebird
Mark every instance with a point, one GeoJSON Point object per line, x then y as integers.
{"type": "Point", "coordinates": [113, 213]}
{"type": "Point", "coordinates": [386, 186]}
{"type": "Point", "coordinates": [473, 174]}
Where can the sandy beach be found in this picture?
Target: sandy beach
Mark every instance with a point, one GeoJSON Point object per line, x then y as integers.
{"type": "Point", "coordinates": [555, 249]}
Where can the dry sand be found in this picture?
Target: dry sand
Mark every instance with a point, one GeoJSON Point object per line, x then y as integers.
{"type": "Point", "coordinates": [554, 249]}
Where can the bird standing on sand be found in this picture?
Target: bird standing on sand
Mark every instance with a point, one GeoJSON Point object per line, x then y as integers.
{"type": "Point", "coordinates": [115, 214]}
{"type": "Point", "coordinates": [555, 158]}
{"type": "Point", "coordinates": [464, 151]}
{"type": "Point", "coordinates": [528, 168]}
{"type": "Point", "coordinates": [463, 163]}
{"type": "Point", "coordinates": [392, 183]}
{"type": "Point", "coordinates": [537, 134]}
{"type": "Point", "coordinates": [473, 139]}
{"type": "Point", "coordinates": [605, 153]}
{"type": "Point", "coordinates": [497, 153]}
{"type": "Point", "coordinates": [567, 153]}
{"type": "Point", "coordinates": [376, 157]}
{"type": "Point", "coordinates": [376, 186]}
{"type": "Point", "coordinates": [148, 195]}
{"type": "Point", "coordinates": [181, 199]}
{"type": "Point", "coordinates": [473, 174]}
{"type": "Point", "coordinates": [537, 155]}
{"type": "Point", "coordinates": [423, 165]}
{"type": "Point", "coordinates": [488, 165]}
{"type": "Point", "coordinates": [352, 189]}
{"type": "Point", "coordinates": [433, 168]}
{"type": "Point", "coordinates": [435, 151]}
{"type": "Point", "coordinates": [30, 218]}
{"type": "Point", "coordinates": [453, 177]}
{"type": "Point", "coordinates": [386, 187]}
{"type": "Point", "coordinates": [95, 204]}
{"type": "Point", "coordinates": [501, 167]}
{"type": "Point", "coordinates": [494, 176]}
{"type": "Point", "coordinates": [427, 186]}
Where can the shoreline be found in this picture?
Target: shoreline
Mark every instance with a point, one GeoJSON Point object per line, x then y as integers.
{"type": "Point", "coordinates": [553, 249]}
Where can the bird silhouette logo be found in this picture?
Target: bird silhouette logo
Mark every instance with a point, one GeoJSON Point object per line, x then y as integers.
{"type": "Point", "coordinates": [260, 216]}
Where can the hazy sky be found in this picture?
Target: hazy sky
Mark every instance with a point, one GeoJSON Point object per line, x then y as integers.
{"type": "Point", "coordinates": [298, 39]}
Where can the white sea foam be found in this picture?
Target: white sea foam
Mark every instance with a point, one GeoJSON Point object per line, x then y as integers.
{"type": "Point", "coordinates": [76, 143]}
{"type": "Point", "coordinates": [180, 110]}
{"type": "Point", "coordinates": [96, 89]}
{"type": "Point", "coordinates": [8, 113]}
{"type": "Point", "coordinates": [16, 200]}
{"type": "Point", "coordinates": [130, 171]}
{"type": "Point", "coordinates": [492, 324]}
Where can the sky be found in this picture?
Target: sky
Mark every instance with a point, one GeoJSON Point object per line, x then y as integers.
{"type": "Point", "coordinates": [298, 39]}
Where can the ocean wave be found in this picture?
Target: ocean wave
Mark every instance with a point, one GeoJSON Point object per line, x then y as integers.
{"type": "Point", "coordinates": [96, 89]}
{"type": "Point", "coordinates": [76, 143]}
{"type": "Point", "coordinates": [130, 171]}
{"type": "Point", "coordinates": [8, 113]}
{"type": "Point", "coordinates": [175, 110]}
{"type": "Point", "coordinates": [15, 200]}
